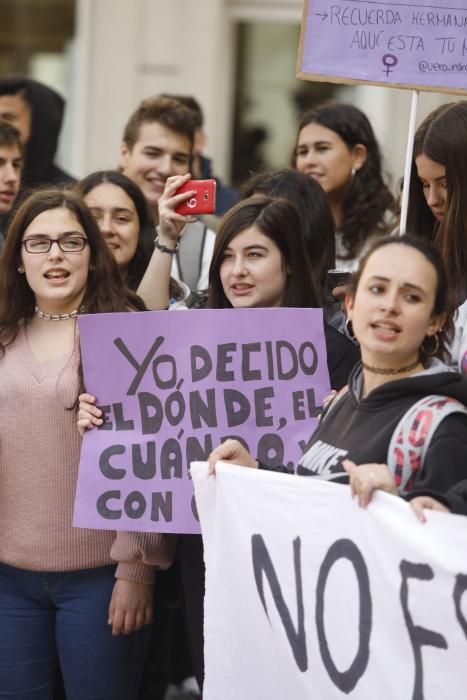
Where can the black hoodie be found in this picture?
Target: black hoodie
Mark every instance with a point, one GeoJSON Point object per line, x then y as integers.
{"type": "Point", "coordinates": [47, 108]}
{"type": "Point", "coordinates": [361, 429]}
{"type": "Point", "coordinates": [455, 499]}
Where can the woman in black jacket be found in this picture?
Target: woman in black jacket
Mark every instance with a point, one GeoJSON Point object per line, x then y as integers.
{"type": "Point", "coordinates": [399, 426]}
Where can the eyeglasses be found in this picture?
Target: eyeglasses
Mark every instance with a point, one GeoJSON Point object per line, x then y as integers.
{"type": "Point", "coordinates": [68, 244]}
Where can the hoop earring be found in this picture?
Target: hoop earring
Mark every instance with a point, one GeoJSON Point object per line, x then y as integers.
{"type": "Point", "coordinates": [432, 352]}
{"type": "Point", "coordinates": [349, 329]}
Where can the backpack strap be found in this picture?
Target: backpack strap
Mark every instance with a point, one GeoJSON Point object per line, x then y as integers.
{"type": "Point", "coordinates": [412, 436]}
{"type": "Point", "coordinates": [189, 255]}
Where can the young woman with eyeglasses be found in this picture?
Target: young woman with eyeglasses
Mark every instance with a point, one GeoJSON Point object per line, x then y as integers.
{"type": "Point", "coordinates": [77, 597]}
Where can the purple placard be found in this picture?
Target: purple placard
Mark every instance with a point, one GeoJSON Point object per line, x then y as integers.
{"type": "Point", "coordinates": [418, 44]}
{"type": "Point", "coordinates": [173, 386]}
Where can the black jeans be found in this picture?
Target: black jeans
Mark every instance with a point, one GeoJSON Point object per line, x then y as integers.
{"type": "Point", "coordinates": [190, 558]}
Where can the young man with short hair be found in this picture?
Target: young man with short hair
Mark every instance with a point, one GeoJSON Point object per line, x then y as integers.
{"type": "Point", "coordinates": [201, 168]}
{"type": "Point", "coordinates": [37, 112]}
{"type": "Point", "coordinates": [11, 165]}
{"type": "Point", "coordinates": [157, 144]}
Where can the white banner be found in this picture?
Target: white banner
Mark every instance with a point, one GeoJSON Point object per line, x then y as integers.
{"type": "Point", "coordinates": [310, 596]}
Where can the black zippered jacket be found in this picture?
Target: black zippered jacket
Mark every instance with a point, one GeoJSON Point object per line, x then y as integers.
{"type": "Point", "coordinates": [360, 429]}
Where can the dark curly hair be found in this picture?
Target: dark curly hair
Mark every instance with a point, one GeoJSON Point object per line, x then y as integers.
{"type": "Point", "coordinates": [442, 138]}
{"type": "Point", "coordinates": [367, 198]}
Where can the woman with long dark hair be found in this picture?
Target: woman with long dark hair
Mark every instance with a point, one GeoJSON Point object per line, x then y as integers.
{"type": "Point", "coordinates": [78, 597]}
{"type": "Point", "coordinates": [317, 224]}
{"type": "Point", "coordinates": [126, 223]}
{"type": "Point", "coordinates": [337, 147]}
{"type": "Point", "coordinates": [277, 220]}
{"type": "Point", "coordinates": [438, 205]}
{"type": "Point", "coordinates": [438, 186]}
{"type": "Point", "coordinates": [267, 230]}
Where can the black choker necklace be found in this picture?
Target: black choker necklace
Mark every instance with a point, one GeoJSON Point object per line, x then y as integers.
{"type": "Point", "coordinates": [55, 317]}
{"type": "Point", "coordinates": [399, 370]}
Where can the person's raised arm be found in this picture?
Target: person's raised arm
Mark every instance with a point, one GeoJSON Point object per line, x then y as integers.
{"type": "Point", "coordinates": [154, 287]}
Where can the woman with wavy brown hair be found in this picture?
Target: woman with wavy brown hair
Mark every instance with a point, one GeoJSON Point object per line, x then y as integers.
{"type": "Point", "coordinates": [78, 597]}
{"type": "Point", "coordinates": [337, 147]}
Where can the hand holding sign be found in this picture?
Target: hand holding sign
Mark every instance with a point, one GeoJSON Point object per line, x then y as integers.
{"type": "Point", "coordinates": [422, 503]}
{"type": "Point", "coordinates": [231, 451]}
{"type": "Point", "coordinates": [89, 415]}
{"type": "Point", "coordinates": [254, 376]}
{"type": "Point", "coordinates": [365, 479]}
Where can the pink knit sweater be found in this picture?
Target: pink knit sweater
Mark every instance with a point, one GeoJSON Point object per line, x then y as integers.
{"type": "Point", "coordinates": [39, 456]}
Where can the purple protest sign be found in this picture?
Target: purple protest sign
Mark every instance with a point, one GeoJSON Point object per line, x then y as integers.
{"type": "Point", "coordinates": [416, 45]}
{"type": "Point", "coordinates": [173, 386]}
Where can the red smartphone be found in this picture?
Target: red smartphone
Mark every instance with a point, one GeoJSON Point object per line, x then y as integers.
{"type": "Point", "coordinates": [202, 202]}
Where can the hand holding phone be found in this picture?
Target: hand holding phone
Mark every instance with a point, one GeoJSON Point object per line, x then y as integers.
{"type": "Point", "coordinates": [202, 201]}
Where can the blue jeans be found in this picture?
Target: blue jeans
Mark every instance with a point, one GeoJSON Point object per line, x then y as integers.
{"type": "Point", "coordinates": [45, 616]}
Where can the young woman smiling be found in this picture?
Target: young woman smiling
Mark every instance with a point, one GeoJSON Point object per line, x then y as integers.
{"type": "Point", "coordinates": [398, 304]}
{"type": "Point", "coordinates": [337, 147]}
{"type": "Point", "coordinates": [74, 596]}
{"type": "Point", "coordinates": [126, 223]}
